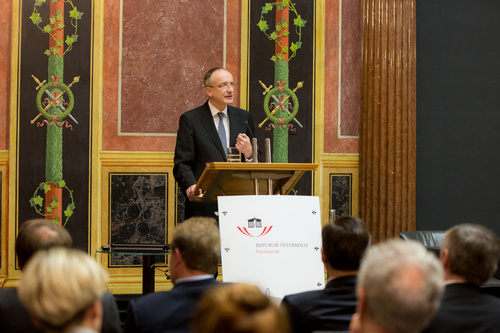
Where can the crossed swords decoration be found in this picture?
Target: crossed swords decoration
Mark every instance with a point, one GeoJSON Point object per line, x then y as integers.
{"type": "Point", "coordinates": [280, 103]}
{"type": "Point", "coordinates": [54, 100]}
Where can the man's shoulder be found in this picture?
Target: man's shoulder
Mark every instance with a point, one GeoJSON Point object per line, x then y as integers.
{"type": "Point", "coordinates": [197, 110]}
{"type": "Point", "coordinates": [13, 315]}
{"type": "Point", "coordinates": [237, 110]}
{"type": "Point", "coordinates": [303, 298]}
{"type": "Point", "coordinates": [175, 293]}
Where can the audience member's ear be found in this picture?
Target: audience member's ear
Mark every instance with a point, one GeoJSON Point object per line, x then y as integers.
{"type": "Point", "coordinates": [494, 270]}
{"type": "Point", "coordinates": [323, 256]}
{"type": "Point", "coordinates": [94, 314]}
{"type": "Point", "coordinates": [355, 325]}
{"type": "Point", "coordinates": [444, 257]}
{"type": "Point", "coordinates": [361, 307]}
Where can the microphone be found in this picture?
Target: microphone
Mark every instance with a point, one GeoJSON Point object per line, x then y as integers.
{"type": "Point", "coordinates": [249, 129]}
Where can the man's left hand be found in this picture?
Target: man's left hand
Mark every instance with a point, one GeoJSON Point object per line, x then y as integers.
{"type": "Point", "coordinates": [244, 145]}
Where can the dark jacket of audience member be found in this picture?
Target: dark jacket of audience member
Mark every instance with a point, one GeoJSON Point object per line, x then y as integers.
{"type": "Point", "coordinates": [344, 243]}
{"type": "Point", "coordinates": [194, 259]}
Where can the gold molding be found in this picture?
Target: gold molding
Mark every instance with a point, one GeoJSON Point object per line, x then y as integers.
{"type": "Point", "coordinates": [139, 159]}
{"type": "Point", "coordinates": [245, 54]}
{"type": "Point", "coordinates": [4, 161]}
{"type": "Point", "coordinates": [13, 275]}
{"type": "Point", "coordinates": [319, 91]}
{"type": "Point", "coordinates": [97, 73]}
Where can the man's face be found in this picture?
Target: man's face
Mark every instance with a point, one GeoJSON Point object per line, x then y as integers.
{"type": "Point", "coordinates": [220, 97]}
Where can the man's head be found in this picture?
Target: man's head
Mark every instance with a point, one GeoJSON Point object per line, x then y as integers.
{"type": "Point", "coordinates": [238, 308]}
{"type": "Point", "coordinates": [400, 284]}
{"type": "Point", "coordinates": [344, 243]}
{"type": "Point", "coordinates": [470, 251]}
{"type": "Point", "coordinates": [219, 85]}
{"type": "Point", "coordinates": [196, 244]}
{"type": "Point", "coordinates": [62, 288]}
{"type": "Point", "coordinates": [39, 234]}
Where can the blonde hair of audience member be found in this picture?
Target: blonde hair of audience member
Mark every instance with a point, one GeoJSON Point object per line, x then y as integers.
{"type": "Point", "coordinates": [470, 252]}
{"type": "Point", "coordinates": [62, 289]}
{"type": "Point", "coordinates": [238, 308]}
{"type": "Point", "coordinates": [197, 241]}
{"type": "Point", "coordinates": [400, 284]}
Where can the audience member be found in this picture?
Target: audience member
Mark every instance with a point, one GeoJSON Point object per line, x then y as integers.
{"type": "Point", "coordinates": [238, 308]}
{"type": "Point", "coordinates": [194, 259]}
{"type": "Point", "coordinates": [35, 235]}
{"type": "Point", "coordinates": [344, 244]}
{"type": "Point", "coordinates": [469, 255]}
{"type": "Point", "coordinates": [62, 289]}
{"type": "Point", "coordinates": [400, 284]}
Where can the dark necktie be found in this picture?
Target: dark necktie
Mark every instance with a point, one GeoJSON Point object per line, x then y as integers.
{"type": "Point", "coordinates": [222, 132]}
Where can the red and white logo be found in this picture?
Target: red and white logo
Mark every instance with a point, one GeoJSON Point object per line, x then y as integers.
{"type": "Point", "coordinates": [255, 228]}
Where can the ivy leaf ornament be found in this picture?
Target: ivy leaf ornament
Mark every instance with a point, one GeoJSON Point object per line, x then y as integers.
{"type": "Point", "coordinates": [262, 25]}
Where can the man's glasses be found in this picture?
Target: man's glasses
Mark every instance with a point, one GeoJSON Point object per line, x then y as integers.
{"type": "Point", "coordinates": [225, 85]}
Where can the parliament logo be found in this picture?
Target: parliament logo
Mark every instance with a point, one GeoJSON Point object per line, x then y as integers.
{"type": "Point", "coordinates": [254, 228]}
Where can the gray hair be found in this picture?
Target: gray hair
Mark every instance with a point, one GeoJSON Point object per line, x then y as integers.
{"type": "Point", "coordinates": [403, 284]}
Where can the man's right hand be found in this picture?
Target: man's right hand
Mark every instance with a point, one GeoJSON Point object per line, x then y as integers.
{"type": "Point", "coordinates": [192, 196]}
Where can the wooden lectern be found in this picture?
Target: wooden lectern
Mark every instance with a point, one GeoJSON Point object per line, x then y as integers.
{"type": "Point", "coordinates": [224, 178]}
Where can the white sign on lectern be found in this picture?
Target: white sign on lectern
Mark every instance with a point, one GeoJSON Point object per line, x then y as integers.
{"type": "Point", "coordinates": [273, 242]}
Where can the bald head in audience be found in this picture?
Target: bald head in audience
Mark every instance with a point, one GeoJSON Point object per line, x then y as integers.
{"type": "Point", "coordinates": [39, 234]}
{"type": "Point", "coordinates": [400, 284]}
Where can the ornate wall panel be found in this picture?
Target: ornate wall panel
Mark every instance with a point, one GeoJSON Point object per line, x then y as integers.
{"type": "Point", "coordinates": [340, 184]}
{"type": "Point", "coordinates": [138, 202]}
{"type": "Point", "coordinates": [50, 147]}
{"type": "Point", "coordinates": [138, 206]}
{"type": "Point", "coordinates": [341, 193]}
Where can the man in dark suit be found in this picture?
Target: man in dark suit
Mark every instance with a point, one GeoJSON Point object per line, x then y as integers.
{"type": "Point", "coordinates": [469, 255]}
{"type": "Point", "coordinates": [344, 243]}
{"type": "Point", "coordinates": [194, 259]}
{"type": "Point", "coordinates": [204, 135]}
{"type": "Point", "coordinates": [35, 235]}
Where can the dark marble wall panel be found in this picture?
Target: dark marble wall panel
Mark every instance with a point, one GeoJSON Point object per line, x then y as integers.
{"type": "Point", "coordinates": [138, 205]}
{"type": "Point", "coordinates": [341, 193]}
{"type": "Point", "coordinates": [167, 48]}
{"type": "Point", "coordinates": [181, 201]}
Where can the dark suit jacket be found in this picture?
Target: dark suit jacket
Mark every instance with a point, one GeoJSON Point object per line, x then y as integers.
{"type": "Point", "coordinates": [198, 143]}
{"type": "Point", "coordinates": [166, 311]}
{"type": "Point", "coordinates": [323, 310]}
{"type": "Point", "coordinates": [15, 318]}
{"type": "Point", "coordinates": [465, 309]}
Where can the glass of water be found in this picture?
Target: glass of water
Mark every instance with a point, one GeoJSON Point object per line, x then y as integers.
{"type": "Point", "coordinates": [233, 155]}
